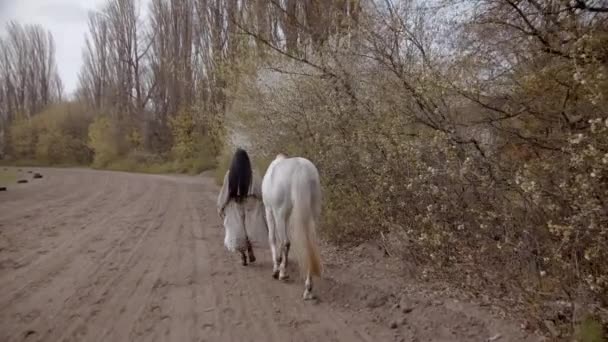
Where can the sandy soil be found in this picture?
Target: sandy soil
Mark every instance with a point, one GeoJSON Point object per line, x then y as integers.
{"type": "Point", "coordinates": [108, 256]}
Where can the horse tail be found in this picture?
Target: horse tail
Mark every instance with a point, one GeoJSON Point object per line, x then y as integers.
{"type": "Point", "coordinates": [304, 226]}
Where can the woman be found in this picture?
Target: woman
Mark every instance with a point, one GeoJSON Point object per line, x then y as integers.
{"type": "Point", "coordinates": [240, 206]}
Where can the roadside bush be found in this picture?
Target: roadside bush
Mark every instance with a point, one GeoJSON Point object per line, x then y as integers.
{"type": "Point", "coordinates": [62, 131]}
{"type": "Point", "coordinates": [102, 141]}
{"type": "Point", "coordinates": [55, 136]}
{"type": "Point", "coordinates": [192, 151]}
{"type": "Point", "coordinates": [410, 152]}
{"type": "Point", "coordinates": [185, 135]}
{"type": "Point", "coordinates": [22, 139]}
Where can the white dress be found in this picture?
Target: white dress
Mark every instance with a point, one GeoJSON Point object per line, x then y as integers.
{"type": "Point", "coordinates": [244, 220]}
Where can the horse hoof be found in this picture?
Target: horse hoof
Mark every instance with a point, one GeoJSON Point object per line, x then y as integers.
{"type": "Point", "coordinates": [308, 296]}
{"type": "Point", "coordinates": [275, 275]}
{"type": "Point", "coordinates": [284, 277]}
{"type": "Point", "coordinates": [252, 258]}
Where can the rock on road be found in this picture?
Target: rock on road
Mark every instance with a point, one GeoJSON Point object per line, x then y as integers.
{"type": "Point", "coordinates": [109, 256]}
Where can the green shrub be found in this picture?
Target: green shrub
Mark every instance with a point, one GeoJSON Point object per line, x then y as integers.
{"type": "Point", "coordinates": [590, 330]}
{"type": "Point", "coordinates": [57, 135]}
{"type": "Point", "coordinates": [51, 146]}
{"type": "Point", "coordinates": [23, 139]}
{"type": "Point", "coordinates": [185, 135]}
{"type": "Point", "coordinates": [192, 151]}
{"type": "Point", "coordinates": [102, 141]}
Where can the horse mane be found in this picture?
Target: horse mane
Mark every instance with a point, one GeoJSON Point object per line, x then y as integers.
{"type": "Point", "coordinates": [240, 176]}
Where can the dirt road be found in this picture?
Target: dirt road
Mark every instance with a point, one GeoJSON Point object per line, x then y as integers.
{"type": "Point", "coordinates": [107, 256]}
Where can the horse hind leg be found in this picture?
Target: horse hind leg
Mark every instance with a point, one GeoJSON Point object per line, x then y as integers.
{"type": "Point", "coordinates": [272, 241]}
{"type": "Point", "coordinates": [281, 230]}
{"type": "Point", "coordinates": [308, 295]}
{"type": "Point", "coordinates": [284, 260]}
{"type": "Point", "coordinates": [250, 252]}
{"type": "Point", "coordinates": [243, 258]}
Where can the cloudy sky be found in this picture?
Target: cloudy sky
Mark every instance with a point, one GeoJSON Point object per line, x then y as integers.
{"type": "Point", "coordinates": [66, 19]}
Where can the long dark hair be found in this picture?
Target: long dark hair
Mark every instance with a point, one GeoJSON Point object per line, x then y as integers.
{"type": "Point", "coordinates": [239, 178]}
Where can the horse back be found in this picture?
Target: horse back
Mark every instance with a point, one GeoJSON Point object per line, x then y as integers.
{"type": "Point", "coordinates": [285, 175]}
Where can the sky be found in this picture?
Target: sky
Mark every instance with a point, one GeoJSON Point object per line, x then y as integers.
{"type": "Point", "coordinates": [66, 19]}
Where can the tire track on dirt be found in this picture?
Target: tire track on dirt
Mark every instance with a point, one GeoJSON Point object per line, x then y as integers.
{"type": "Point", "coordinates": [55, 195]}
{"type": "Point", "coordinates": [70, 220]}
{"type": "Point", "coordinates": [48, 286]}
{"type": "Point", "coordinates": [211, 321]}
{"type": "Point", "coordinates": [96, 265]}
{"type": "Point", "coordinates": [124, 279]}
{"type": "Point", "coordinates": [154, 314]}
{"type": "Point", "coordinates": [52, 262]}
{"type": "Point", "coordinates": [149, 268]}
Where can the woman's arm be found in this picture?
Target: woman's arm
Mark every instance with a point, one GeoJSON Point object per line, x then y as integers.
{"type": "Point", "coordinates": [256, 187]}
{"type": "Point", "coordinates": [222, 198]}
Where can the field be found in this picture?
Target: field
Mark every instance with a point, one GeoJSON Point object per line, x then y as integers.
{"type": "Point", "coordinates": [101, 256]}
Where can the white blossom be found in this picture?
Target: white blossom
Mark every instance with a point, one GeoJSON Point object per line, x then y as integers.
{"type": "Point", "coordinates": [576, 139]}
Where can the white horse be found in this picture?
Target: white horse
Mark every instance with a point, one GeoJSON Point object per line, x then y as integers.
{"type": "Point", "coordinates": [291, 192]}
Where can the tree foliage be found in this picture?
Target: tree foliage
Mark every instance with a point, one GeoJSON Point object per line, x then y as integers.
{"type": "Point", "coordinates": [470, 132]}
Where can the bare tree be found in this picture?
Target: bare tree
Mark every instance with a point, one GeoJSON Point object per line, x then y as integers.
{"type": "Point", "coordinates": [94, 76]}
{"type": "Point", "coordinates": [28, 73]}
